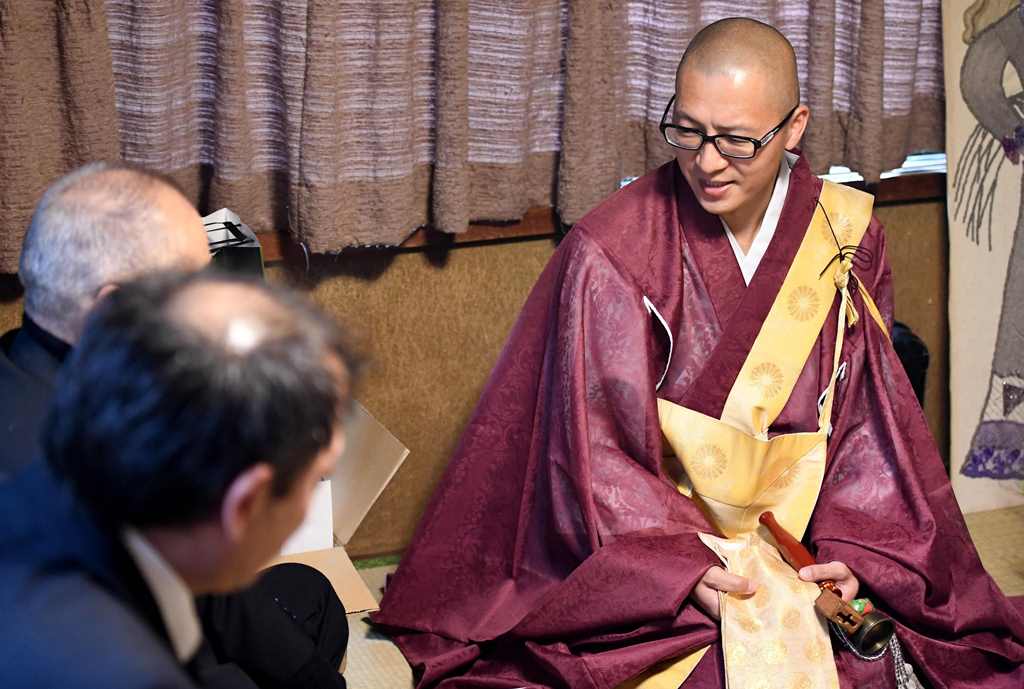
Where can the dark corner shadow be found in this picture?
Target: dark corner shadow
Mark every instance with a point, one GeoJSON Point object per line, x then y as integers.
{"type": "Point", "coordinates": [438, 246]}
{"type": "Point", "coordinates": [362, 263]}
{"type": "Point", "coordinates": [10, 288]}
{"type": "Point", "coordinates": [365, 263]}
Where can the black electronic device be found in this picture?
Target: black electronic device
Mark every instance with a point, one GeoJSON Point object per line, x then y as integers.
{"type": "Point", "coordinates": [234, 247]}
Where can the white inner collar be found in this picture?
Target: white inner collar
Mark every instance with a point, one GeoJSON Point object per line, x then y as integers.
{"type": "Point", "coordinates": [769, 223]}
{"type": "Point", "coordinates": [176, 602]}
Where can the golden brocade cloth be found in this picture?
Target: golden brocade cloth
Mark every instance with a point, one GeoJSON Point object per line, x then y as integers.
{"type": "Point", "coordinates": [734, 472]}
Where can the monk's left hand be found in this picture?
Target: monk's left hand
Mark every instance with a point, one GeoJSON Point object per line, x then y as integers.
{"type": "Point", "coordinates": [837, 572]}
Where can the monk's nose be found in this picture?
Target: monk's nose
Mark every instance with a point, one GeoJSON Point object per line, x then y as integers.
{"type": "Point", "coordinates": [709, 160]}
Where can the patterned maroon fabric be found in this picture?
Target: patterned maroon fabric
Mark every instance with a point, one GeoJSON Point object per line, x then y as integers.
{"type": "Point", "coordinates": [740, 309]}
{"type": "Point", "coordinates": [555, 553]}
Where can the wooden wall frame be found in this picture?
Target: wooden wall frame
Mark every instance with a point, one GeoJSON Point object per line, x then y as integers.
{"type": "Point", "coordinates": [543, 223]}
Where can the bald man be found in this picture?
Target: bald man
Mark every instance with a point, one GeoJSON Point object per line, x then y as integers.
{"type": "Point", "coordinates": [736, 307]}
{"type": "Point", "coordinates": [94, 229]}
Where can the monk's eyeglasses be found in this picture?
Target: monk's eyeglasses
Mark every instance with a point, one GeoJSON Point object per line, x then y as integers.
{"type": "Point", "coordinates": [729, 145]}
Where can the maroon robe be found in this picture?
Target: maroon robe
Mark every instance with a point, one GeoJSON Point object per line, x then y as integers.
{"type": "Point", "coordinates": [556, 553]}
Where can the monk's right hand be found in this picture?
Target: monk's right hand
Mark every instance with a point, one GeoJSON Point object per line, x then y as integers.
{"type": "Point", "coordinates": [717, 579]}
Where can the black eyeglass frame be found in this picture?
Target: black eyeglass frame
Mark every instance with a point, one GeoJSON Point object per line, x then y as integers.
{"type": "Point", "coordinates": [704, 138]}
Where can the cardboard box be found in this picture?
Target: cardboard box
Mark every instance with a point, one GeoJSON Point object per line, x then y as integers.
{"type": "Point", "coordinates": [339, 505]}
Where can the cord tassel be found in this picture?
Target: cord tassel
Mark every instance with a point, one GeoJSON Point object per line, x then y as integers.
{"type": "Point", "coordinates": [842, 280]}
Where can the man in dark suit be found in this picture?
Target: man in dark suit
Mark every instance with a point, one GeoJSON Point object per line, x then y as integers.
{"type": "Point", "coordinates": [93, 230]}
{"type": "Point", "coordinates": [188, 429]}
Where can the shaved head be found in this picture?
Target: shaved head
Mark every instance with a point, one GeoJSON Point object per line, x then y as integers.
{"type": "Point", "coordinates": [741, 44]}
{"type": "Point", "coordinates": [737, 79]}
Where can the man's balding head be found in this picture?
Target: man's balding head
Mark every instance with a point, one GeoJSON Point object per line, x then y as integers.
{"type": "Point", "coordinates": [100, 225]}
{"type": "Point", "coordinates": [203, 403]}
{"type": "Point", "coordinates": [740, 44]}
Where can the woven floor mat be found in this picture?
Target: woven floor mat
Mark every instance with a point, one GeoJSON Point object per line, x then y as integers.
{"type": "Point", "coordinates": [999, 537]}
{"type": "Point", "coordinates": [373, 661]}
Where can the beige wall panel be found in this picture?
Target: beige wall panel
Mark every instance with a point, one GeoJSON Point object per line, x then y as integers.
{"type": "Point", "coordinates": [918, 251]}
{"type": "Point", "coordinates": [436, 328]}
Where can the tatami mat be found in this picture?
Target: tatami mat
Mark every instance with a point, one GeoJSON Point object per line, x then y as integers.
{"type": "Point", "coordinates": [374, 662]}
{"type": "Point", "coordinates": [999, 537]}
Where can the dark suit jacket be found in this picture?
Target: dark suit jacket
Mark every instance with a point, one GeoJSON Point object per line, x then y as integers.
{"type": "Point", "coordinates": [29, 360]}
{"type": "Point", "coordinates": [76, 611]}
{"type": "Point", "coordinates": [289, 631]}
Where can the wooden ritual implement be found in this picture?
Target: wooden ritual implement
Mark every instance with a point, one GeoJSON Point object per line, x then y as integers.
{"type": "Point", "coordinates": [868, 630]}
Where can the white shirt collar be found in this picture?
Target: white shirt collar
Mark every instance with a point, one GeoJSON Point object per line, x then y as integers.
{"type": "Point", "coordinates": [769, 223]}
{"type": "Point", "coordinates": [175, 600]}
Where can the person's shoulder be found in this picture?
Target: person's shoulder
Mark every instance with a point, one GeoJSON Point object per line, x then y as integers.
{"type": "Point", "coordinates": [36, 504]}
{"type": "Point", "coordinates": [632, 208]}
{"type": "Point", "coordinates": [64, 629]}
{"type": "Point", "coordinates": [62, 625]}
{"type": "Point", "coordinates": [8, 370]}
{"type": "Point", "coordinates": [6, 339]}
{"type": "Point", "coordinates": [634, 225]}
{"type": "Point", "coordinates": [872, 245]}
{"type": "Point", "coordinates": [24, 401]}
{"type": "Point", "coordinates": [27, 496]}
{"type": "Point", "coordinates": [875, 233]}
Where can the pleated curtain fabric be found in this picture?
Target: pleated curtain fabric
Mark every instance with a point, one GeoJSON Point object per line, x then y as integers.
{"type": "Point", "coordinates": [57, 106]}
{"type": "Point", "coordinates": [355, 122]}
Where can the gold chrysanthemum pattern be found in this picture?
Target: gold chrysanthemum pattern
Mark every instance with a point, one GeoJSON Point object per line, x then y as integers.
{"type": "Point", "coordinates": [815, 650]}
{"type": "Point", "coordinates": [791, 619]}
{"type": "Point", "coordinates": [773, 639]}
{"type": "Point", "coordinates": [800, 681]}
{"type": "Point", "coordinates": [749, 624]}
{"type": "Point", "coordinates": [762, 597]}
{"type": "Point", "coordinates": [767, 377]}
{"type": "Point", "coordinates": [803, 303]}
{"type": "Point", "coordinates": [842, 225]}
{"type": "Point", "coordinates": [798, 587]}
{"type": "Point", "coordinates": [737, 654]}
{"type": "Point", "coordinates": [774, 651]}
{"type": "Point", "coordinates": [781, 567]}
{"type": "Point", "coordinates": [787, 477]}
{"type": "Point", "coordinates": [709, 462]}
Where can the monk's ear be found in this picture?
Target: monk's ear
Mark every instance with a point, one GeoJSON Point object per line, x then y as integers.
{"type": "Point", "coordinates": [245, 500]}
{"type": "Point", "coordinates": [797, 125]}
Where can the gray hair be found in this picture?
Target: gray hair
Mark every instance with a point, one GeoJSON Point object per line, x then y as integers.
{"type": "Point", "coordinates": [98, 225]}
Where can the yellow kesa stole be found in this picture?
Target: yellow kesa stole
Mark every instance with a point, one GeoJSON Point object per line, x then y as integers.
{"type": "Point", "coordinates": [734, 472]}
